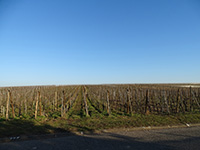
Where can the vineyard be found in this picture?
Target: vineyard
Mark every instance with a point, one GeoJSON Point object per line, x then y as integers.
{"type": "Point", "coordinates": [89, 108]}
{"type": "Point", "coordinates": [97, 100]}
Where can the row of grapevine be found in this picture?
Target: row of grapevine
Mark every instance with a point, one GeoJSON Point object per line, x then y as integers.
{"type": "Point", "coordinates": [145, 99]}
{"type": "Point", "coordinates": [63, 101]}
{"type": "Point", "coordinates": [34, 101]}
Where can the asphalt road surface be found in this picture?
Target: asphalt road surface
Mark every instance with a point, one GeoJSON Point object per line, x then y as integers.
{"type": "Point", "coordinates": [165, 139]}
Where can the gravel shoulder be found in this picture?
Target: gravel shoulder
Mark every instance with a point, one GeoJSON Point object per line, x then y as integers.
{"type": "Point", "coordinates": [147, 138]}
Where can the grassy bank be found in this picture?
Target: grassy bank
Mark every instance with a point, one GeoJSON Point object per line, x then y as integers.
{"type": "Point", "coordinates": [16, 127]}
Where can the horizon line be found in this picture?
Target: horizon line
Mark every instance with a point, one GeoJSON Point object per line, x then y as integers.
{"type": "Point", "coordinates": [43, 85]}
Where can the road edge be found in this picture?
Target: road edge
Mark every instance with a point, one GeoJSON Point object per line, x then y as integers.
{"type": "Point", "coordinates": [81, 133]}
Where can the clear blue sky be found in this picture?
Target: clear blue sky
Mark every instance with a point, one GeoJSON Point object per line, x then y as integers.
{"type": "Point", "coordinates": [46, 42]}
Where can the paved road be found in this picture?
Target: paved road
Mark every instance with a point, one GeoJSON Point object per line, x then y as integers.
{"type": "Point", "coordinates": [165, 139]}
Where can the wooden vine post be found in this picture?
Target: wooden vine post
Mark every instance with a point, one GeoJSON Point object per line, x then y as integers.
{"type": "Point", "coordinates": [120, 101]}
{"type": "Point", "coordinates": [56, 101]}
{"type": "Point", "coordinates": [191, 99]}
{"type": "Point", "coordinates": [129, 101]}
{"type": "Point", "coordinates": [25, 105]}
{"type": "Point", "coordinates": [196, 99]}
{"type": "Point", "coordinates": [178, 101]}
{"type": "Point", "coordinates": [108, 103]}
{"type": "Point", "coordinates": [136, 100]}
{"type": "Point", "coordinates": [70, 102]}
{"type": "Point", "coordinates": [198, 95]}
{"type": "Point", "coordinates": [62, 104]}
{"type": "Point", "coordinates": [170, 101]}
{"type": "Point", "coordinates": [147, 102]}
{"type": "Point", "coordinates": [36, 104]}
{"type": "Point", "coordinates": [12, 105]}
{"type": "Point", "coordinates": [40, 103]}
{"type": "Point", "coordinates": [19, 105]}
{"type": "Point", "coordinates": [162, 100]}
{"type": "Point", "coordinates": [114, 98]}
{"type": "Point", "coordinates": [166, 103]}
{"type": "Point", "coordinates": [7, 105]}
{"type": "Point", "coordinates": [85, 101]}
{"type": "Point", "coordinates": [181, 101]}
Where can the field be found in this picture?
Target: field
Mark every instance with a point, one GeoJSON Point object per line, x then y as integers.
{"type": "Point", "coordinates": [50, 109]}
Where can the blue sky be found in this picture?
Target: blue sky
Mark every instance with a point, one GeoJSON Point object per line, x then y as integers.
{"type": "Point", "coordinates": [52, 42]}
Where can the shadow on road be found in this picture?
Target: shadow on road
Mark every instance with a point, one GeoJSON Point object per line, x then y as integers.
{"type": "Point", "coordinates": [25, 127]}
{"type": "Point", "coordinates": [138, 140]}
{"type": "Point", "coordinates": [76, 142]}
